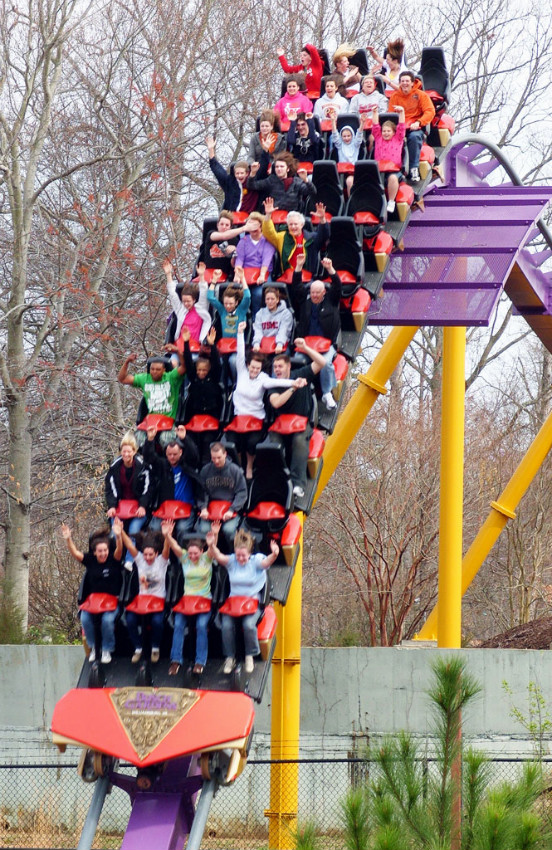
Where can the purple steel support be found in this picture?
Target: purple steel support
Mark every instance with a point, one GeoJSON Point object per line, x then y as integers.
{"type": "Point", "coordinates": [157, 822]}
{"type": "Point", "coordinates": [161, 817]}
{"type": "Point", "coordinates": [462, 248]}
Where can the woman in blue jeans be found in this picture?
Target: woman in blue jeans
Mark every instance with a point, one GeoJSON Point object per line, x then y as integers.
{"type": "Point", "coordinates": [247, 574]}
{"type": "Point", "coordinates": [197, 567]}
{"type": "Point", "coordinates": [103, 575]}
{"type": "Point", "coordinates": [151, 563]}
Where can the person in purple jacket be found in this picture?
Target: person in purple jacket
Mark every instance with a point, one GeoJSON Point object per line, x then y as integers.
{"type": "Point", "coordinates": [254, 251]}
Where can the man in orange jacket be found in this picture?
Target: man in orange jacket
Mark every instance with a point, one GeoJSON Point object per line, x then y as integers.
{"type": "Point", "coordinates": [419, 111]}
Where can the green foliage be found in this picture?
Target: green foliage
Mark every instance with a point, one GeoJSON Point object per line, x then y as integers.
{"type": "Point", "coordinates": [537, 721]}
{"type": "Point", "coordinates": [408, 807]}
{"type": "Point", "coordinates": [306, 837]}
{"type": "Point", "coordinates": [355, 809]}
{"type": "Point", "coordinates": [11, 617]}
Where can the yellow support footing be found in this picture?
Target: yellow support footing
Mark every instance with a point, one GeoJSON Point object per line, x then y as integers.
{"type": "Point", "coordinates": [286, 693]}
{"type": "Point", "coordinates": [449, 631]}
{"type": "Point", "coordinates": [371, 386]}
{"type": "Point", "coordinates": [501, 511]}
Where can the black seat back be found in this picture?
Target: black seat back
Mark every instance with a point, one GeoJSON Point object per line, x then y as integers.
{"type": "Point", "coordinates": [328, 186]}
{"type": "Point", "coordinates": [345, 251]}
{"type": "Point", "coordinates": [367, 193]}
{"type": "Point", "coordinates": [433, 70]}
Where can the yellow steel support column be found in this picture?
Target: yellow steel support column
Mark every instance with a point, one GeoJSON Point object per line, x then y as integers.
{"type": "Point", "coordinates": [286, 691]}
{"type": "Point", "coordinates": [501, 511]}
{"type": "Point", "coordinates": [371, 386]}
{"type": "Point", "coordinates": [452, 488]}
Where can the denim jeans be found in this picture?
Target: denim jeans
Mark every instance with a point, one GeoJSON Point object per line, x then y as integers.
{"type": "Point", "coordinates": [228, 528]}
{"type": "Point", "coordinates": [327, 376]}
{"type": "Point", "coordinates": [133, 621]}
{"type": "Point", "coordinates": [250, 638]}
{"type": "Point", "coordinates": [108, 629]}
{"type": "Point", "coordinates": [414, 142]}
{"type": "Point", "coordinates": [181, 526]}
{"type": "Point", "coordinates": [180, 626]}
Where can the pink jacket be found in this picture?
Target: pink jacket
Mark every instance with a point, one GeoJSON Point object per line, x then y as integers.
{"type": "Point", "coordinates": [390, 150]}
{"type": "Point", "coordinates": [299, 102]}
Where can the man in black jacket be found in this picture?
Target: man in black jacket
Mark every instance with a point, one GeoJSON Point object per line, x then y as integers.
{"type": "Point", "coordinates": [318, 315]}
{"type": "Point", "coordinates": [298, 402]}
{"type": "Point", "coordinates": [175, 475]}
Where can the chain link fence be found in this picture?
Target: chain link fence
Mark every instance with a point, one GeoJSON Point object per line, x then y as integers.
{"type": "Point", "coordinates": [44, 805]}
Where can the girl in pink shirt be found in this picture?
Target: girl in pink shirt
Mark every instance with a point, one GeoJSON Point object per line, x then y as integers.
{"type": "Point", "coordinates": [388, 148]}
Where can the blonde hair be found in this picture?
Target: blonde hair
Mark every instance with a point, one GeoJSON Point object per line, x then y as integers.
{"type": "Point", "coordinates": [344, 49]}
{"type": "Point", "coordinates": [243, 540]}
{"type": "Point", "coordinates": [129, 440]}
{"type": "Point", "coordinates": [390, 124]}
{"type": "Point", "coordinates": [256, 216]}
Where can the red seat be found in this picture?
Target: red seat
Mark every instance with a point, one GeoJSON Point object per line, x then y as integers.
{"type": "Point", "coordinates": [239, 606]}
{"type": "Point", "coordinates": [316, 445]}
{"type": "Point", "coordinates": [217, 509]}
{"type": "Point", "coordinates": [227, 345]}
{"type": "Point", "coordinates": [357, 303]}
{"type": "Point", "coordinates": [287, 276]}
{"type": "Point", "coordinates": [427, 154]}
{"type": "Point", "coordinates": [244, 423]}
{"type": "Point", "coordinates": [266, 511]}
{"type": "Point", "coordinates": [209, 276]}
{"type": "Point", "coordinates": [405, 195]}
{"type": "Point", "coordinates": [173, 509]}
{"type": "Point", "coordinates": [99, 603]}
{"type": "Point", "coordinates": [126, 509]}
{"type": "Point", "coordinates": [346, 276]}
{"type": "Point", "coordinates": [341, 367]}
{"type": "Point", "coordinates": [192, 605]}
{"type": "Point", "coordinates": [345, 168]}
{"type": "Point", "coordinates": [305, 166]}
{"type": "Point", "coordinates": [193, 344]}
{"type": "Point", "coordinates": [144, 603]}
{"type": "Point", "coordinates": [279, 216]}
{"type": "Point", "coordinates": [365, 218]}
{"type": "Point", "coordinates": [387, 166]}
{"type": "Point", "coordinates": [267, 627]}
{"type": "Point", "coordinates": [268, 345]}
{"type": "Point", "coordinates": [251, 274]}
{"type": "Point", "coordinates": [289, 423]}
{"type": "Point", "coordinates": [239, 217]}
{"type": "Point", "coordinates": [202, 422]}
{"type": "Point", "coordinates": [156, 420]}
{"type": "Point", "coordinates": [447, 122]}
{"type": "Point", "coordinates": [319, 343]}
{"type": "Point", "coordinates": [326, 126]}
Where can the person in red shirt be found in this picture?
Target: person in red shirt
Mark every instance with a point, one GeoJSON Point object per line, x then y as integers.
{"type": "Point", "coordinates": [311, 65]}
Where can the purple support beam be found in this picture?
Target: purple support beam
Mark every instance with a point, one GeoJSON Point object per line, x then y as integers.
{"type": "Point", "coordinates": [461, 249]}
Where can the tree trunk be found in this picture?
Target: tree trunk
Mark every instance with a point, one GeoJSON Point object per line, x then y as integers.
{"type": "Point", "coordinates": [18, 530]}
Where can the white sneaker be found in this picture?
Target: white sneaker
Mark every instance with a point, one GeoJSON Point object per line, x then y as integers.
{"type": "Point", "coordinates": [228, 666]}
{"type": "Point", "coordinates": [329, 401]}
{"type": "Point", "coordinates": [92, 655]}
{"type": "Point", "coordinates": [391, 206]}
{"type": "Point", "coordinates": [414, 174]}
{"type": "Point", "coordinates": [106, 657]}
{"type": "Point", "coordinates": [154, 654]}
{"type": "Point", "coordinates": [249, 664]}
{"type": "Point", "coordinates": [298, 491]}
{"type": "Point", "coordinates": [137, 656]}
